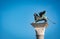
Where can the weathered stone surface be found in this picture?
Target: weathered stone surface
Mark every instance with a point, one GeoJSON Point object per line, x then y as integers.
{"type": "Point", "coordinates": [39, 29]}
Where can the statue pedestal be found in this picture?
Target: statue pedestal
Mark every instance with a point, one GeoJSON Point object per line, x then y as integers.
{"type": "Point", "coordinates": [40, 29]}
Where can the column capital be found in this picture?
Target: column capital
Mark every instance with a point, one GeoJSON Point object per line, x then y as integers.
{"type": "Point", "coordinates": [38, 25]}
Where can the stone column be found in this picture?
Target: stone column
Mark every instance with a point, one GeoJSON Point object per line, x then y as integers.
{"type": "Point", "coordinates": [39, 29]}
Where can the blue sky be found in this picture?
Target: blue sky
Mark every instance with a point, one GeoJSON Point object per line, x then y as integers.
{"type": "Point", "coordinates": [16, 16]}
